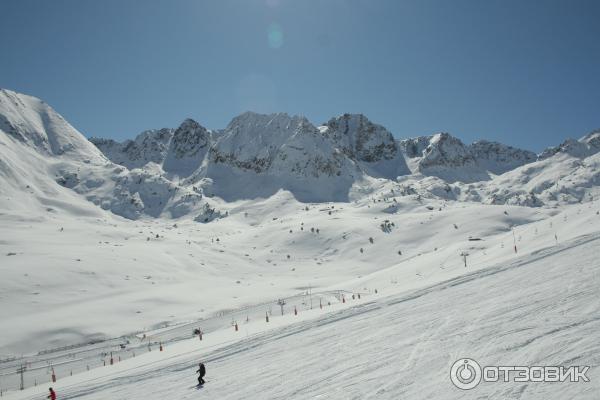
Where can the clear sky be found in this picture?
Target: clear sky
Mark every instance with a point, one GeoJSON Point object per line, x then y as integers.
{"type": "Point", "coordinates": [526, 73]}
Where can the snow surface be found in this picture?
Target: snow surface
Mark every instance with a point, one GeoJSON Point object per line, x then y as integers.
{"type": "Point", "coordinates": [536, 309]}
{"type": "Point", "coordinates": [142, 242]}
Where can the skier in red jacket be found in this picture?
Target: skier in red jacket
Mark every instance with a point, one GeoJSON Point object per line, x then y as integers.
{"type": "Point", "coordinates": [52, 395]}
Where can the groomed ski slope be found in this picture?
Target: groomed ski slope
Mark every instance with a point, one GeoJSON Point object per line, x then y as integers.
{"type": "Point", "coordinates": [538, 309]}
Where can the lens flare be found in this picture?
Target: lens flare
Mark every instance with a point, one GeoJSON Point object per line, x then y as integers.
{"type": "Point", "coordinates": [275, 36]}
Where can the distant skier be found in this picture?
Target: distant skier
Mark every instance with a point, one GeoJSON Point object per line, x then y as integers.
{"type": "Point", "coordinates": [52, 395]}
{"type": "Point", "coordinates": [202, 372]}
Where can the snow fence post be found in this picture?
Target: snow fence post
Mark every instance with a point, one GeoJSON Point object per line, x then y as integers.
{"type": "Point", "coordinates": [281, 303]}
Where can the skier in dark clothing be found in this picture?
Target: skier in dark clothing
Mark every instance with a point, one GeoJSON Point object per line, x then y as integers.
{"type": "Point", "coordinates": [52, 395]}
{"type": "Point", "coordinates": [202, 372]}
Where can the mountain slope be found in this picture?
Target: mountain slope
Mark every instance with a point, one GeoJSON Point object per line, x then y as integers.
{"type": "Point", "coordinates": [35, 124]}
{"type": "Point", "coordinates": [397, 343]}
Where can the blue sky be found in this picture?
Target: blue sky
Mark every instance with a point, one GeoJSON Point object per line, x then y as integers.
{"type": "Point", "coordinates": [526, 73]}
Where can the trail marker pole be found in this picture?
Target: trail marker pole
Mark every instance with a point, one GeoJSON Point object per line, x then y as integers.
{"type": "Point", "coordinates": [281, 303]}
{"type": "Point", "coordinates": [464, 255]}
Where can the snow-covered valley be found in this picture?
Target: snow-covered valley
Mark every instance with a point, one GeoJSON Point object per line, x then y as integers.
{"type": "Point", "coordinates": [478, 250]}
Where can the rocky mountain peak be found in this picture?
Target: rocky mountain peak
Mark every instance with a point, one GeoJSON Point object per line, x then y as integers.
{"type": "Point", "coordinates": [445, 150]}
{"type": "Point", "coordinates": [361, 139]}
{"type": "Point", "coordinates": [148, 146]}
{"type": "Point", "coordinates": [592, 139]}
{"type": "Point", "coordinates": [499, 158]}
{"type": "Point", "coordinates": [189, 139]}
{"type": "Point", "coordinates": [268, 126]}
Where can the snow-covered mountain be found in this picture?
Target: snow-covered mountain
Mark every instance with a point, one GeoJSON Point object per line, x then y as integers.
{"type": "Point", "coordinates": [45, 163]}
{"type": "Point", "coordinates": [449, 158]}
{"type": "Point", "coordinates": [257, 154]}
{"type": "Point", "coordinates": [277, 144]}
{"type": "Point", "coordinates": [33, 123]}
{"type": "Point", "coordinates": [584, 147]}
{"type": "Point", "coordinates": [193, 171]}
{"type": "Point", "coordinates": [188, 149]}
{"type": "Point", "coordinates": [370, 145]}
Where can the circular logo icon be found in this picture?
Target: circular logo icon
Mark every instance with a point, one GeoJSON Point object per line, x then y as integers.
{"type": "Point", "coordinates": [465, 373]}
